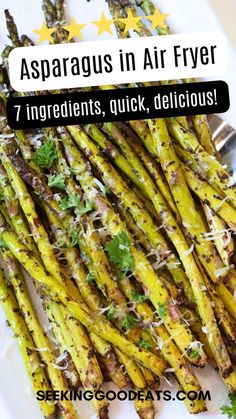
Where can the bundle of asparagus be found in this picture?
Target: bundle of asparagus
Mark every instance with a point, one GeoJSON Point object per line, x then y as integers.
{"type": "Point", "coordinates": [126, 231]}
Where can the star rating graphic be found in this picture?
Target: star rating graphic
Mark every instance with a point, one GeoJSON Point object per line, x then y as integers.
{"type": "Point", "coordinates": [74, 29]}
{"type": "Point", "coordinates": [45, 33]}
{"type": "Point", "coordinates": [158, 19]}
{"type": "Point", "coordinates": [104, 24]}
{"type": "Point", "coordinates": [131, 22]}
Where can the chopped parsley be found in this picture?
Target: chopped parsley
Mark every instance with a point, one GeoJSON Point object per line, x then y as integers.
{"type": "Point", "coordinates": [230, 411]}
{"type": "Point", "coordinates": [83, 209]}
{"type": "Point", "coordinates": [162, 310]}
{"type": "Point", "coordinates": [57, 181]}
{"type": "Point", "coordinates": [112, 312]}
{"type": "Point", "coordinates": [145, 344]}
{"type": "Point", "coordinates": [139, 298]}
{"type": "Point", "coordinates": [90, 278]}
{"type": "Point", "coordinates": [194, 354]}
{"type": "Point", "coordinates": [74, 235]}
{"type": "Point", "coordinates": [71, 201]}
{"type": "Point", "coordinates": [46, 154]}
{"type": "Point", "coordinates": [129, 322]}
{"type": "Point", "coordinates": [119, 251]}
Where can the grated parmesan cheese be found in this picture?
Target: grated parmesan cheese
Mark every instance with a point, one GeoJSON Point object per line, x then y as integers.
{"type": "Point", "coordinates": [223, 271]}
{"type": "Point", "coordinates": [189, 251]}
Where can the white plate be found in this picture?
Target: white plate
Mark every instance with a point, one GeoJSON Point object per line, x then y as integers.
{"type": "Point", "coordinates": [16, 399]}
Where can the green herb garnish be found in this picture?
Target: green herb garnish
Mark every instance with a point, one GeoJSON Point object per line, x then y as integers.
{"type": "Point", "coordinates": [83, 209]}
{"type": "Point", "coordinates": [112, 312]}
{"type": "Point", "coordinates": [74, 235]}
{"type": "Point", "coordinates": [90, 278]}
{"type": "Point", "coordinates": [230, 411]}
{"type": "Point", "coordinates": [71, 201]}
{"type": "Point", "coordinates": [145, 344]}
{"type": "Point", "coordinates": [139, 298]}
{"type": "Point", "coordinates": [57, 181]}
{"type": "Point", "coordinates": [129, 321]}
{"type": "Point", "coordinates": [194, 354]}
{"type": "Point", "coordinates": [162, 310]}
{"type": "Point", "coordinates": [119, 251]}
{"type": "Point", "coordinates": [46, 154]}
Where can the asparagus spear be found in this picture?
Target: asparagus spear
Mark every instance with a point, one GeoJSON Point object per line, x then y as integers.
{"type": "Point", "coordinates": [59, 6]}
{"type": "Point", "coordinates": [119, 11]}
{"type": "Point", "coordinates": [89, 370]}
{"type": "Point", "coordinates": [214, 171]}
{"type": "Point", "coordinates": [136, 165]}
{"type": "Point", "coordinates": [147, 6]}
{"type": "Point", "coordinates": [155, 286]}
{"type": "Point", "coordinates": [129, 199]}
{"type": "Point", "coordinates": [136, 334]}
{"type": "Point", "coordinates": [61, 333]}
{"type": "Point", "coordinates": [26, 41]}
{"type": "Point", "coordinates": [179, 189]}
{"type": "Point", "coordinates": [112, 221]}
{"type": "Point", "coordinates": [46, 251]}
{"type": "Point", "coordinates": [228, 299]}
{"type": "Point", "coordinates": [94, 303]}
{"type": "Point", "coordinates": [116, 14]}
{"type": "Point", "coordinates": [14, 212]}
{"type": "Point", "coordinates": [202, 129]}
{"type": "Point", "coordinates": [152, 167]}
{"type": "Point", "coordinates": [49, 12]}
{"type": "Point", "coordinates": [26, 345]}
{"type": "Point", "coordinates": [230, 381]}
{"type": "Point", "coordinates": [208, 195]}
{"type": "Point", "coordinates": [106, 283]}
{"type": "Point", "coordinates": [103, 275]}
{"type": "Point", "coordinates": [133, 370]}
{"type": "Point", "coordinates": [145, 408]}
{"type": "Point", "coordinates": [112, 151]}
{"type": "Point", "coordinates": [113, 367]}
{"type": "Point", "coordinates": [129, 363]}
{"type": "Point", "coordinates": [80, 311]}
{"type": "Point", "coordinates": [57, 223]}
{"type": "Point", "coordinates": [18, 222]}
{"type": "Point", "coordinates": [40, 339]}
{"type": "Point", "coordinates": [183, 371]}
{"type": "Point", "coordinates": [224, 319]}
{"type": "Point", "coordinates": [223, 243]}
{"type": "Point", "coordinates": [197, 228]}
{"type": "Point", "coordinates": [12, 29]}
{"type": "Point", "coordinates": [200, 122]}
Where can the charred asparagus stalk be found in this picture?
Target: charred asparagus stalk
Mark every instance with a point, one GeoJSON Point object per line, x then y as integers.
{"type": "Point", "coordinates": [26, 345]}
{"type": "Point", "coordinates": [41, 341]}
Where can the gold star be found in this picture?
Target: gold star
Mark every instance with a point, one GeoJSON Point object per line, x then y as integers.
{"type": "Point", "coordinates": [74, 29]}
{"type": "Point", "coordinates": [131, 22]}
{"type": "Point", "coordinates": [45, 33]}
{"type": "Point", "coordinates": [158, 19]}
{"type": "Point", "coordinates": [104, 25]}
